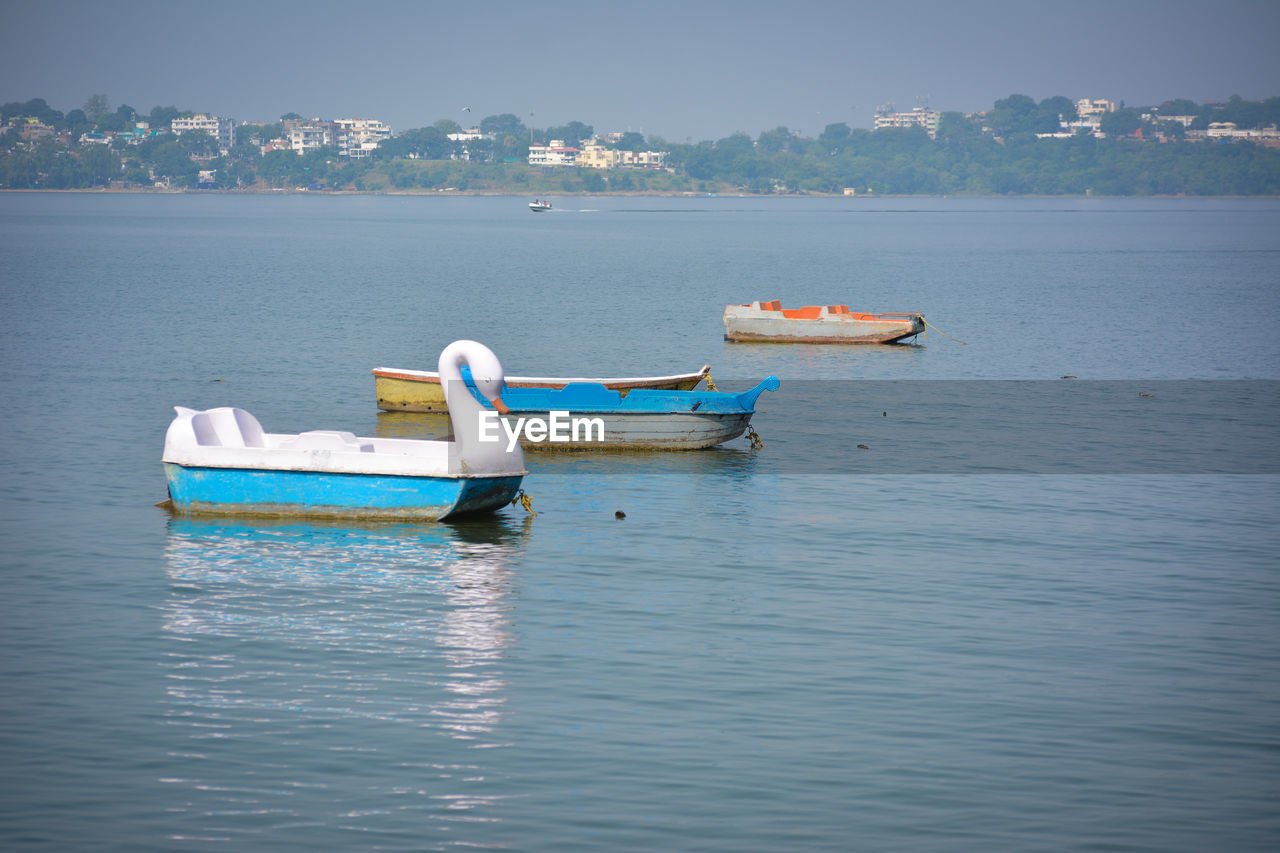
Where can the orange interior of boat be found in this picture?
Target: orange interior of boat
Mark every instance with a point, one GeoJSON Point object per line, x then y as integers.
{"type": "Point", "coordinates": [808, 312]}
{"type": "Point", "coordinates": [813, 312]}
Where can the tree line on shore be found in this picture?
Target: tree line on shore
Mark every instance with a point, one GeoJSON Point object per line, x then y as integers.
{"type": "Point", "coordinates": [992, 153]}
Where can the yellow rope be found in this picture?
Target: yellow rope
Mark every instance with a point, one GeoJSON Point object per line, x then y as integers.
{"type": "Point", "coordinates": [711, 386]}
{"type": "Point", "coordinates": [754, 437]}
{"type": "Point", "coordinates": [939, 331]}
{"type": "Point", "coordinates": [523, 499]}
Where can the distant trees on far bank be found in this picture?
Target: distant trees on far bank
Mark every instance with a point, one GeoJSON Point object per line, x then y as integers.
{"type": "Point", "coordinates": [998, 152]}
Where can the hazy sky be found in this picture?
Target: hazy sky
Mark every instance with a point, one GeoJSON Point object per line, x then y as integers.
{"type": "Point", "coordinates": [686, 70]}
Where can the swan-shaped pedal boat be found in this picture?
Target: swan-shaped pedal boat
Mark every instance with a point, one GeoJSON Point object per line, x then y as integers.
{"type": "Point", "coordinates": [221, 461]}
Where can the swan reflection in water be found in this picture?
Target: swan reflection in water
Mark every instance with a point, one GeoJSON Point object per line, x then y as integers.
{"type": "Point", "coordinates": [296, 640]}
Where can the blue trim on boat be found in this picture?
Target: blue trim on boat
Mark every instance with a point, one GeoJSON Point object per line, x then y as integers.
{"type": "Point", "coordinates": [596, 398]}
{"type": "Point", "coordinates": [300, 493]}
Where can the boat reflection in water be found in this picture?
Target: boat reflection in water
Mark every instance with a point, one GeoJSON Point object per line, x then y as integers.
{"type": "Point", "coordinates": [302, 650]}
{"type": "Point", "coordinates": [435, 425]}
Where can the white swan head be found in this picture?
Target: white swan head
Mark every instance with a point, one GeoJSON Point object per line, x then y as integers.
{"type": "Point", "coordinates": [486, 372]}
{"type": "Point", "coordinates": [465, 411]}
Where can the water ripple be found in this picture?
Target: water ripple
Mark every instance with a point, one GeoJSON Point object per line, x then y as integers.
{"type": "Point", "coordinates": [322, 650]}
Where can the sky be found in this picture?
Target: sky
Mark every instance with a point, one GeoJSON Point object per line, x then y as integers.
{"type": "Point", "coordinates": [684, 71]}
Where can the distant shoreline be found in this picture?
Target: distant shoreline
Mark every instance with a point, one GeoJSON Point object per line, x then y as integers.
{"type": "Point", "coordinates": [508, 194]}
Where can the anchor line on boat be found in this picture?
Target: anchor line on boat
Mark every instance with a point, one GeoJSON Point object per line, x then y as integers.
{"type": "Point", "coordinates": [752, 435]}
{"type": "Point", "coordinates": [939, 331]}
{"type": "Point", "coordinates": [522, 498]}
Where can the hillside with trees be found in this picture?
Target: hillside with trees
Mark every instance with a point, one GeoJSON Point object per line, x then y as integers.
{"type": "Point", "coordinates": [997, 152]}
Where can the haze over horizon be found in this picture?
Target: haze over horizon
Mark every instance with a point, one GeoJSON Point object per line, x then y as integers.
{"type": "Point", "coordinates": [683, 71]}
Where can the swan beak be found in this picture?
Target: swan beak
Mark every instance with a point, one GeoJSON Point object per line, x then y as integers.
{"type": "Point", "coordinates": [500, 406]}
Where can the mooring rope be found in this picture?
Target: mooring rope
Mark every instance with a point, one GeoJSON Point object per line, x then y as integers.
{"type": "Point", "coordinates": [523, 499]}
{"type": "Point", "coordinates": [939, 331]}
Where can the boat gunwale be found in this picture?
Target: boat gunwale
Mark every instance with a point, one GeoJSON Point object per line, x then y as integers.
{"type": "Point", "coordinates": [764, 338]}
{"type": "Point", "coordinates": [433, 378]}
{"type": "Point", "coordinates": [823, 319]}
{"type": "Point", "coordinates": [317, 469]}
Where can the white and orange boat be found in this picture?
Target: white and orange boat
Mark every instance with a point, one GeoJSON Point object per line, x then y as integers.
{"type": "Point", "coordinates": [816, 324]}
{"type": "Point", "coordinates": [420, 390]}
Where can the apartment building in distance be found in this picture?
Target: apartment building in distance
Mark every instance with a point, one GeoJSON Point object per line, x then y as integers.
{"type": "Point", "coordinates": [359, 137]}
{"type": "Point", "coordinates": [1228, 131]}
{"type": "Point", "coordinates": [1089, 113]}
{"type": "Point", "coordinates": [1093, 109]}
{"type": "Point", "coordinates": [594, 155]}
{"type": "Point", "coordinates": [469, 135]}
{"type": "Point", "coordinates": [353, 137]}
{"type": "Point", "coordinates": [305, 135]}
{"type": "Point", "coordinates": [554, 154]}
{"type": "Point", "coordinates": [221, 129]}
{"type": "Point", "coordinates": [921, 116]}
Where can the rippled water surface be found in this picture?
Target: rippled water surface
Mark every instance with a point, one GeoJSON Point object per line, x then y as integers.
{"type": "Point", "coordinates": [806, 647]}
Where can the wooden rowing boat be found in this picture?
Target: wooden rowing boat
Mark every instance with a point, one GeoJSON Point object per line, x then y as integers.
{"type": "Point", "coordinates": [420, 391]}
{"type": "Point", "coordinates": [591, 417]}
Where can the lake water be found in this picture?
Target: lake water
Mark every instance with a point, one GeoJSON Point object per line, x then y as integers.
{"type": "Point", "coordinates": [1034, 614]}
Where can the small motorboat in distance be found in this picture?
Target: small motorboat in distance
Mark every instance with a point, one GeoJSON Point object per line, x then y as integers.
{"type": "Point", "coordinates": [539, 206]}
{"type": "Point", "coordinates": [420, 391]}
{"type": "Point", "coordinates": [220, 461]}
{"type": "Point", "coordinates": [816, 324]}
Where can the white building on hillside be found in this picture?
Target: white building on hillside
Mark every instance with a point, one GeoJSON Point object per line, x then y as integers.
{"type": "Point", "coordinates": [221, 129]}
{"type": "Point", "coordinates": [555, 154]}
{"type": "Point", "coordinates": [887, 117]}
{"type": "Point", "coordinates": [307, 136]}
{"type": "Point", "coordinates": [1228, 130]}
{"type": "Point", "coordinates": [357, 137]}
{"type": "Point", "coordinates": [472, 134]}
{"type": "Point", "coordinates": [1089, 112]}
{"type": "Point", "coordinates": [468, 135]}
{"type": "Point", "coordinates": [1094, 108]}
{"type": "Point", "coordinates": [1185, 121]}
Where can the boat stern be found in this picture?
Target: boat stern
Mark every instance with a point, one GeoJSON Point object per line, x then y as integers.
{"type": "Point", "coordinates": [486, 494]}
